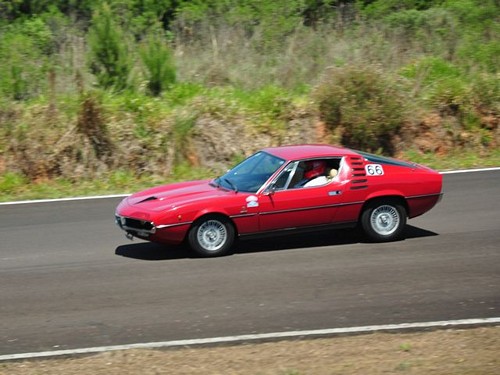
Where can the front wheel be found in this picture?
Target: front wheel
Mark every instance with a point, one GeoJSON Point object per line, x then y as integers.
{"type": "Point", "coordinates": [211, 236]}
{"type": "Point", "coordinates": [383, 221]}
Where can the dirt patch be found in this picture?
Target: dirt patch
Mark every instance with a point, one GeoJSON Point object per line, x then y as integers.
{"type": "Point", "coordinates": [464, 352]}
{"type": "Point", "coordinates": [217, 142]}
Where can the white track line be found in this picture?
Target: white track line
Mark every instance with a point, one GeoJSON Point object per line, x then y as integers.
{"type": "Point", "coordinates": [124, 195]}
{"type": "Point", "coordinates": [471, 170]}
{"type": "Point", "coordinates": [64, 199]}
{"type": "Point", "coordinates": [257, 337]}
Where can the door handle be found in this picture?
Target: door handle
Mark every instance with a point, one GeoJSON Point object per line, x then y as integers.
{"type": "Point", "coordinates": [334, 192]}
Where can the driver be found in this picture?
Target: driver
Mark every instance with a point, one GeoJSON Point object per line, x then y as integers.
{"type": "Point", "coordinates": [314, 174]}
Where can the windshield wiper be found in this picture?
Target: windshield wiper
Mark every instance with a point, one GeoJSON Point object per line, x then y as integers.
{"type": "Point", "coordinates": [230, 183]}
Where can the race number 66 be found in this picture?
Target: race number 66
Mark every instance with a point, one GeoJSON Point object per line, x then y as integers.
{"type": "Point", "coordinates": [374, 170]}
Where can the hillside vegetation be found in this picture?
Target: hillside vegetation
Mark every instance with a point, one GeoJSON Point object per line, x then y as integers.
{"type": "Point", "coordinates": [151, 90]}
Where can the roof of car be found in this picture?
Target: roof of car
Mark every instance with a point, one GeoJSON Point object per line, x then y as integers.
{"type": "Point", "coordinates": [296, 152]}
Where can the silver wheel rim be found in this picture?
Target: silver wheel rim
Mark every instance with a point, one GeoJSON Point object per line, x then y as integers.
{"type": "Point", "coordinates": [212, 235]}
{"type": "Point", "coordinates": [385, 220]}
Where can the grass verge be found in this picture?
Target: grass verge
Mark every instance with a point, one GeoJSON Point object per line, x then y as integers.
{"type": "Point", "coordinates": [460, 352]}
{"type": "Point", "coordinates": [14, 187]}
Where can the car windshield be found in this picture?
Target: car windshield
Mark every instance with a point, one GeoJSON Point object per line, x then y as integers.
{"type": "Point", "coordinates": [251, 174]}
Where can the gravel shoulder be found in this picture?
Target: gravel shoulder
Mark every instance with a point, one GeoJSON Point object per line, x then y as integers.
{"type": "Point", "coordinates": [459, 352]}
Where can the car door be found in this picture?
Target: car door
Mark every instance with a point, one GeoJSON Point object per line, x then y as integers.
{"type": "Point", "coordinates": [286, 206]}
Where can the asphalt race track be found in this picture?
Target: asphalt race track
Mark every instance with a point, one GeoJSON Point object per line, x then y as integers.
{"type": "Point", "coordinates": [70, 279]}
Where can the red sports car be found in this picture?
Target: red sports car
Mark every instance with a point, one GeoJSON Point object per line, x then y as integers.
{"type": "Point", "coordinates": [280, 189]}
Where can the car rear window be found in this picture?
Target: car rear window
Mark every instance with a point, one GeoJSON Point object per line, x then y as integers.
{"type": "Point", "coordinates": [384, 160]}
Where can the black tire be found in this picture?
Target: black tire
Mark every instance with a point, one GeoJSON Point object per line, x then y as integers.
{"type": "Point", "coordinates": [211, 236]}
{"type": "Point", "coordinates": [383, 220]}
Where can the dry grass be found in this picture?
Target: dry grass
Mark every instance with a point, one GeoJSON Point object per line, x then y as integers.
{"type": "Point", "coordinates": [459, 352]}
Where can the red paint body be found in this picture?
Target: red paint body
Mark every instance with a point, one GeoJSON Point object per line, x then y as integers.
{"type": "Point", "coordinates": [165, 214]}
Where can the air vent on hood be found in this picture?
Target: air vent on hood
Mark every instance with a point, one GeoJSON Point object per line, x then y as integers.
{"type": "Point", "coordinates": [152, 198]}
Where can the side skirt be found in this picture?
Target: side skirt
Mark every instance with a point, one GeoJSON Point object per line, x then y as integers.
{"type": "Point", "coordinates": [288, 231]}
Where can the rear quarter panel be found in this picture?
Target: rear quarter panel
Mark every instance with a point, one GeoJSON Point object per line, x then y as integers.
{"type": "Point", "coordinates": [419, 186]}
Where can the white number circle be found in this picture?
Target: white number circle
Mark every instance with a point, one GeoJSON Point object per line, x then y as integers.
{"type": "Point", "coordinates": [374, 170]}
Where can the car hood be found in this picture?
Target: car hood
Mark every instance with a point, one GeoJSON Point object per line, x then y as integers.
{"type": "Point", "coordinates": [175, 195]}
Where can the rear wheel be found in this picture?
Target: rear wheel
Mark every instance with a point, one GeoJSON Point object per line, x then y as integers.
{"type": "Point", "coordinates": [211, 236]}
{"type": "Point", "coordinates": [383, 220]}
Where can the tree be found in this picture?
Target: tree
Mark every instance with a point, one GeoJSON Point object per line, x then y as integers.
{"type": "Point", "coordinates": [109, 55]}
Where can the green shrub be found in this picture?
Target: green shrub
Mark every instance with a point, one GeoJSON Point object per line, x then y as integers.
{"type": "Point", "coordinates": [479, 33]}
{"type": "Point", "coordinates": [364, 105]}
{"type": "Point", "coordinates": [158, 63]}
{"type": "Point", "coordinates": [182, 92]}
{"type": "Point", "coordinates": [441, 84]}
{"type": "Point", "coordinates": [269, 22]}
{"type": "Point", "coordinates": [11, 182]}
{"type": "Point", "coordinates": [183, 124]}
{"type": "Point", "coordinates": [449, 95]}
{"type": "Point", "coordinates": [381, 8]}
{"type": "Point", "coordinates": [271, 101]}
{"type": "Point", "coordinates": [24, 60]}
{"type": "Point", "coordinates": [408, 20]}
{"type": "Point", "coordinates": [483, 55]}
{"type": "Point", "coordinates": [432, 31]}
{"type": "Point", "coordinates": [486, 92]}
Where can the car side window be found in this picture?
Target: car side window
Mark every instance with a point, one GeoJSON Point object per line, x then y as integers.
{"type": "Point", "coordinates": [307, 173]}
{"type": "Point", "coordinates": [298, 178]}
{"type": "Point", "coordinates": [285, 176]}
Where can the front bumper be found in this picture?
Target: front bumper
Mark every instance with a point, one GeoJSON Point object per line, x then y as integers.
{"type": "Point", "coordinates": [135, 227]}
